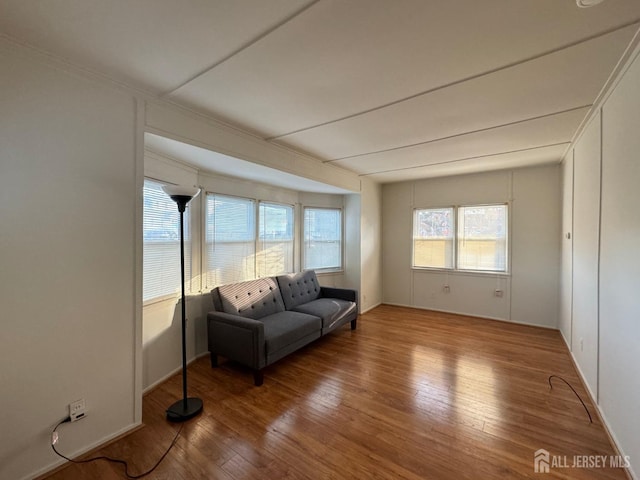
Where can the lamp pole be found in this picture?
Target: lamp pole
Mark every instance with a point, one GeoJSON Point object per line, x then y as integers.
{"type": "Point", "coordinates": [187, 407]}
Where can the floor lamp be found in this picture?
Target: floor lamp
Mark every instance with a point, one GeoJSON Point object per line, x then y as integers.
{"type": "Point", "coordinates": [187, 407]}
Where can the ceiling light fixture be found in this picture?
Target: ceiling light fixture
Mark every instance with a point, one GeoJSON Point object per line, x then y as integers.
{"type": "Point", "coordinates": [588, 3]}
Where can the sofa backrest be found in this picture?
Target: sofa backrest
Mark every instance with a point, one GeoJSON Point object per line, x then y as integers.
{"type": "Point", "coordinates": [253, 299]}
{"type": "Point", "coordinates": [297, 288]}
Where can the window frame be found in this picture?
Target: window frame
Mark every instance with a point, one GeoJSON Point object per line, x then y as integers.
{"type": "Point", "coordinates": [303, 252]}
{"type": "Point", "coordinates": [455, 259]}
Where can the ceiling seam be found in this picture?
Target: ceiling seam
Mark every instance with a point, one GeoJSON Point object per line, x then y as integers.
{"type": "Point", "coordinates": [241, 48]}
{"type": "Point", "coordinates": [465, 159]}
{"type": "Point", "coordinates": [458, 82]}
{"type": "Point", "coordinates": [471, 132]}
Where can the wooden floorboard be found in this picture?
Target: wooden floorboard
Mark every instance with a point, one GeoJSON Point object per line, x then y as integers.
{"type": "Point", "coordinates": [410, 394]}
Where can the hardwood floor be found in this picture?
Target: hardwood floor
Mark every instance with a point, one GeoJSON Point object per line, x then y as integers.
{"type": "Point", "coordinates": [410, 394]}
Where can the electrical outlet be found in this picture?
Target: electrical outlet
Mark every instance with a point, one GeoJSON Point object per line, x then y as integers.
{"type": "Point", "coordinates": [498, 293]}
{"type": "Point", "coordinates": [77, 410]}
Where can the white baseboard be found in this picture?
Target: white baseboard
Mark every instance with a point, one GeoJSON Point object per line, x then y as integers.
{"type": "Point", "coordinates": [497, 319]}
{"type": "Point", "coordinates": [83, 450]}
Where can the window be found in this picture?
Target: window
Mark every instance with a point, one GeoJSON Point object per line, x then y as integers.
{"type": "Point", "coordinates": [275, 239]}
{"type": "Point", "coordinates": [482, 238]}
{"type": "Point", "coordinates": [478, 243]}
{"type": "Point", "coordinates": [241, 246]}
{"type": "Point", "coordinates": [161, 243]}
{"type": "Point", "coordinates": [230, 232]}
{"type": "Point", "coordinates": [433, 238]}
{"type": "Point", "coordinates": [322, 239]}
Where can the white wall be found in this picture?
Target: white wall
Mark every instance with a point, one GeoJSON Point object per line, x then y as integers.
{"type": "Point", "coordinates": [608, 279]}
{"type": "Point", "coordinates": [370, 245]}
{"type": "Point", "coordinates": [68, 201]}
{"type": "Point", "coordinates": [586, 244]}
{"type": "Point", "coordinates": [352, 243]}
{"type": "Point", "coordinates": [397, 277]}
{"type": "Point", "coordinates": [566, 274]}
{"type": "Point", "coordinates": [162, 332]}
{"type": "Point", "coordinates": [530, 291]}
{"type": "Point", "coordinates": [619, 392]}
{"type": "Point", "coordinates": [535, 246]}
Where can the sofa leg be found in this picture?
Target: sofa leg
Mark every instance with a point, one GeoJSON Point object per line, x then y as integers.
{"type": "Point", "coordinates": [257, 378]}
{"type": "Point", "coordinates": [214, 360]}
{"type": "Point", "coordinates": [353, 324]}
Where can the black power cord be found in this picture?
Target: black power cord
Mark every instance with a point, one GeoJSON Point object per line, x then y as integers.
{"type": "Point", "coordinates": [574, 391]}
{"type": "Point", "coordinates": [54, 440]}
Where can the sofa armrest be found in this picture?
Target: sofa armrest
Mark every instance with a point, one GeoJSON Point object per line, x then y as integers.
{"type": "Point", "coordinates": [237, 320]}
{"type": "Point", "coordinates": [339, 293]}
{"type": "Point", "coordinates": [237, 338]}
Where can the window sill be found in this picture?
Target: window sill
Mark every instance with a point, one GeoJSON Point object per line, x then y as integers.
{"type": "Point", "coordinates": [320, 273]}
{"type": "Point", "coordinates": [472, 273]}
{"type": "Point", "coordinates": [174, 297]}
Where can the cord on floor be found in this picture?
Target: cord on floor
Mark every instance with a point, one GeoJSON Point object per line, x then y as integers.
{"type": "Point", "coordinates": [54, 440]}
{"type": "Point", "coordinates": [574, 391]}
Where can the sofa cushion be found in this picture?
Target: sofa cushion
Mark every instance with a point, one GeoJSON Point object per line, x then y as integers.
{"type": "Point", "coordinates": [284, 328]}
{"type": "Point", "coordinates": [330, 310]}
{"type": "Point", "coordinates": [298, 288]}
{"type": "Point", "coordinates": [254, 299]}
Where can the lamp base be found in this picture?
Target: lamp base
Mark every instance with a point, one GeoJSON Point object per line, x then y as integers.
{"type": "Point", "coordinates": [182, 411]}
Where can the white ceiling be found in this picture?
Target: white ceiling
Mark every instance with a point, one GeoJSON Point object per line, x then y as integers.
{"type": "Point", "coordinates": [390, 89]}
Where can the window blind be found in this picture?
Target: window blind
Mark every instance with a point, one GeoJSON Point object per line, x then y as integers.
{"type": "Point", "coordinates": [482, 238]}
{"type": "Point", "coordinates": [161, 243]}
{"type": "Point", "coordinates": [322, 238]}
{"type": "Point", "coordinates": [274, 254]}
{"type": "Point", "coordinates": [433, 237]}
{"type": "Point", "coordinates": [230, 232]}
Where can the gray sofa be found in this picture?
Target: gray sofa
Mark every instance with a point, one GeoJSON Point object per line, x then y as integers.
{"type": "Point", "coordinates": [258, 322]}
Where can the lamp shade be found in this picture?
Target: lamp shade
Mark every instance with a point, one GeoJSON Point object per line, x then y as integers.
{"type": "Point", "coordinates": [181, 194]}
{"type": "Point", "coordinates": [181, 191]}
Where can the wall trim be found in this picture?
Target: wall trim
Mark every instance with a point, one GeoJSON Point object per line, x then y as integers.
{"type": "Point", "coordinates": [138, 255]}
